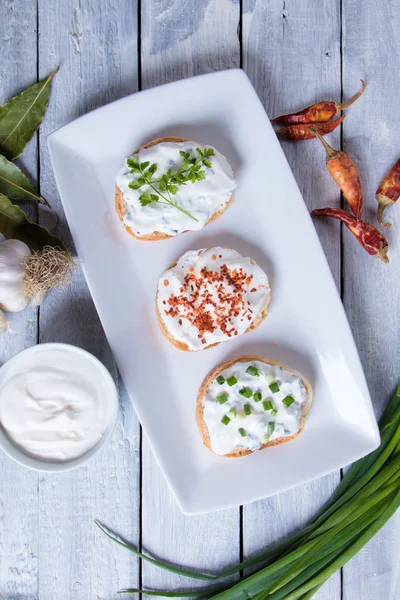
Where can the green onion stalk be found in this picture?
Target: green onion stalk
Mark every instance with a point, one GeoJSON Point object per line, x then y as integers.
{"type": "Point", "coordinates": [366, 498]}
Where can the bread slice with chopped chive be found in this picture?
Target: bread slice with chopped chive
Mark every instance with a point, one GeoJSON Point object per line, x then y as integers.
{"type": "Point", "coordinates": [238, 452]}
{"type": "Point", "coordinates": [121, 206]}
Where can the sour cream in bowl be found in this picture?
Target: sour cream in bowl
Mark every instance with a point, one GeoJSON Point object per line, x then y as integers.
{"type": "Point", "coordinates": [58, 406]}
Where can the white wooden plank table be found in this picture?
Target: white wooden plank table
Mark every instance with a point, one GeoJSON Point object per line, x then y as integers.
{"type": "Point", "coordinates": [295, 53]}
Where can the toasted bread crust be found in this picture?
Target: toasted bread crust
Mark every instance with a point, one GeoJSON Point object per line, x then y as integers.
{"type": "Point", "coordinates": [121, 207]}
{"type": "Point", "coordinates": [228, 363]}
{"type": "Point", "coordinates": [182, 346]}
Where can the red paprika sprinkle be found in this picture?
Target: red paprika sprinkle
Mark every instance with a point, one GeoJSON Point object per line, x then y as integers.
{"type": "Point", "coordinates": [369, 237]}
{"type": "Point", "coordinates": [318, 113]}
{"type": "Point", "coordinates": [388, 192]}
{"type": "Point", "coordinates": [302, 131]}
{"type": "Point", "coordinates": [344, 172]}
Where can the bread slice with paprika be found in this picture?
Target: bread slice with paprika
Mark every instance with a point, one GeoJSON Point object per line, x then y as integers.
{"type": "Point", "coordinates": [194, 312]}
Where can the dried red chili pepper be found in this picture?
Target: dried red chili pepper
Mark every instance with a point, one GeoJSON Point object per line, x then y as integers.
{"type": "Point", "coordinates": [345, 174]}
{"type": "Point", "coordinates": [302, 131]}
{"type": "Point", "coordinates": [388, 192]}
{"type": "Point", "coordinates": [318, 113]}
{"type": "Point", "coordinates": [369, 237]}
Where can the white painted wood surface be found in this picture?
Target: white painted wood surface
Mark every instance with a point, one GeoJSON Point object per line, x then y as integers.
{"type": "Point", "coordinates": [273, 40]}
{"type": "Point", "coordinates": [295, 53]}
{"type": "Point", "coordinates": [179, 42]}
{"type": "Point", "coordinates": [97, 51]}
{"type": "Point", "coordinates": [371, 293]}
{"type": "Point", "coordinates": [19, 502]}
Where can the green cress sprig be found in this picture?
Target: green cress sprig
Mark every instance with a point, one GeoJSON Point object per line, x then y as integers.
{"type": "Point", "coordinates": [166, 186]}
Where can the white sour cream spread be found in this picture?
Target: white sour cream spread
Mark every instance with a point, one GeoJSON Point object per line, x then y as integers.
{"type": "Point", "coordinates": [55, 404]}
{"type": "Point", "coordinates": [238, 419]}
{"type": "Point", "coordinates": [201, 199]}
{"type": "Point", "coordinates": [210, 296]}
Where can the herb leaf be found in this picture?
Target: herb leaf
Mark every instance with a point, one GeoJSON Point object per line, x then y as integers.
{"type": "Point", "coordinates": [15, 185]}
{"type": "Point", "coordinates": [168, 183]}
{"type": "Point", "coordinates": [133, 163]}
{"type": "Point", "coordinates": [145, 199]}
{"type": "Point", "coordinates": [21, 117]}
{"type": "Point", "coordinates": [14, 224]}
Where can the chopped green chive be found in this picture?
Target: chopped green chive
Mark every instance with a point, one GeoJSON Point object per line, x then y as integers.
{"type": "Point", "coordinates": [222, 398]}
{"type": "Point", "coordinates": [242, 432]}
{"type": "Point", "coordinates": [231, 380]}
{"type": "Point", "coordinates": [220, 379]}
{"type": "Point", "coordinates": [225, 420]}
{"type": "Point", "coordinates": [269, 378]}
{"type": "Point", "coordinates": [271, 427]}
{"type": "Point", "coordinates": [246, 392]}
{"type": "Point", "coordinates": [247, 409]}
{"type": "Point", "coordinates": [253, 371]}
{"type": "Point", "coordinates": [267, 405]}
{"type": "Point", "coordinates": [274, 412]}
{"type": "Point", "coordinates": [288, 400]}
{"type": "Point", "coordinates": [233, 412]}
{"type": "Point", "coordinates": [266, 439]}
{"type": "Point", "coordinates": [274, 387]}
{"type": "Point", "coordinates": [257, 396]}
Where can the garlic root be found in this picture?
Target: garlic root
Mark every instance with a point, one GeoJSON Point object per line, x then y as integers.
{"type": "Point", "coordinates": [44, 271]}
{"type": "Point", "coordinates": [26, 278]}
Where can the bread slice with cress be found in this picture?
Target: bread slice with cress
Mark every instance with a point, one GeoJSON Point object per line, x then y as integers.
{"type": "Point", "coordinates": [171, 185]}
{"type": "Point", "coordinates": [251, 403]}
{"type": "Point", "coordinates": [210, 296]}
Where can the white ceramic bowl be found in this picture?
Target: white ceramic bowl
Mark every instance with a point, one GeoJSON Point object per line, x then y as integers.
{"type": "Point", "coordinates": [35, 463]}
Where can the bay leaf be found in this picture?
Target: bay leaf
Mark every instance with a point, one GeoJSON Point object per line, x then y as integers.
{"type": "Point", "coordinates": [15, 185]}
{"type": "Point", "coordinates": [21, 117]}
{"type": "Point", "coordinates": [14, 224]}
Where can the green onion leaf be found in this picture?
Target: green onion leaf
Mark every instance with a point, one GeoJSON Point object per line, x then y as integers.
{"type": "Point", "coordinates": [231, 380]}
{"type": "Point", "coordinates": [233, 412]}
{"type": "Point", "coordinates": [269, 378]}
{"type": "Point", "coordinates": [246, 392]}
{"type": "Point", "coordinates": [158, 563]}
{"type": "Point", "coordinates": [274, 387]}
{"type": "Point", "coordinates": [257, 396]}
{"type": "Point", "coordinates": [247, 409]}
{"type": "Point", "coordinates": [267, 405]}
{"type": "Point", "coordinates": [225, 420]}
{"type": "Point", "coordinates": [274, 412]}
{"type": "Point", "coordinates": [222, 398]}
{"type": "Point", "coordinates": [253, 371]}
{"type": "Point", "coordinates": [220, 379]}
{"type": "Point", "coordinates": [288, 400]}
{"type": "Point", "coordinates": [364, 501]}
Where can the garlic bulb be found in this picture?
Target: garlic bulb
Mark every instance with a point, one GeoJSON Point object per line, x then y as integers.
{"type": "Point", "coordinates": [12, 289]}
{"type": "Point", "coordinates": [26, 278]}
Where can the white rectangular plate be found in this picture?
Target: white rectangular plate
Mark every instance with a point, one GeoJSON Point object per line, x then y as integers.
{"type": "Point", "coordinates": [307, 328]}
